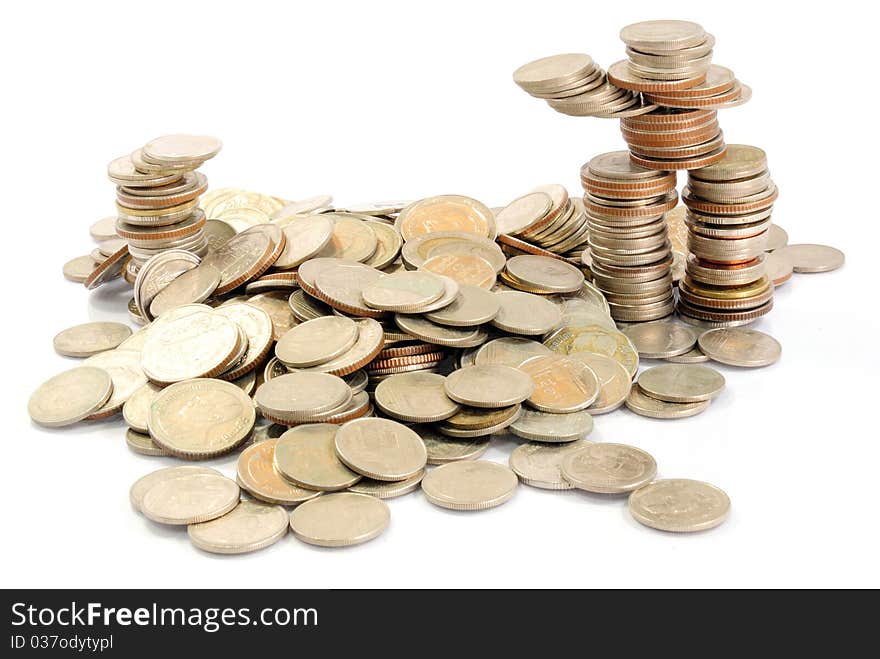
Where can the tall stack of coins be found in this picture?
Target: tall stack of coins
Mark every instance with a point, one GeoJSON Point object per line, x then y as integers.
{"type": "Point", "coordinates": [157, 196]}
{"type": "Point", "coordinates": [728, 217]}
{"type": "Point", "coordinates": [630, 255]}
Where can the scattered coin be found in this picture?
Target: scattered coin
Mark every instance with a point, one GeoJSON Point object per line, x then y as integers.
{"type": "Point", "coordinates": [415, 397]}
{"type": "Point", "coordinates": [190, 499]}
{"type": "Point", "coordinates": [811, 258]}
{"type": "Point", "coordinates": [540, 465]}
{"type": "Point", "coordinates": [465, 269]}
{"type": "Point", "coordinates": [79, 269]}
{"type": "Point", "coordinates": [776, 237]}
{"type": "Point", "coordinates": [469, 485]}
{"type": "Point", "coordinates": [644, 405]}
{"type": "Point", "coordinates": [471, 307]}
{"type": "Point", "coordinates": [142, 443]}
{"type": "Point", "coordinates": [597, 340]}
{"type": "Point", "coordinates": [489, 385]}
{"type": "Point", "coordinates": [442, 449]}
{"type": "Point", "coordinates": [739, 346]}
{"type": "Point", "coordinates": [124, 368]}
{"type": "Point", "coordinates": [341, 519]}
{"type": "Point", "coordinates": [191, 287]}
{"type": "Point", "coordinates": [562, 384]}
{"type": "Point", "coordinates": [661, 338]}
{"type": "Point", "coordinates": [446, 213]}
{"type": "Point", "coordinates": [302, 397]}
{"type": "Point", "coordinates": [248, 527]}
{"type": "Point", "coordinates": [136, 410]}
{"type": "Point", "coordinates": [257, 475]}
{"type": "Point", "coordinates": [317, 341]}
{"type": "Point", "coordinates": [692, 356]}
{"type": "Point", "coordinates": [145, 483]}
{"type": "Point", "coordinates": [380, 449]}
{"type": "Point", "coordinates": [614, 382]}
{"type": "Point", "coordinates": [681, 383]}
{"type": "Point", "coordinates": [679, 505]}
{"type": "Point", "coordinates": [306, 456]}
{"type": "Point", "coordinates": [509, 351]}
{"type": "Point", "coordinates": [525, 313]}
{"type": "Point", "coordinates": [305, 238]}
{"type": "Point", "coordinates": [70, 396]}
{"type": "Point", "coordinates": [90, 338]}
{"type": "Point", "coordinates": [404, 291]}
{"type": "Point", "coordinates": [608, 468]}
{"type": "Point", "coordinates": [103, 229]}
{"type": "Point", "coordinates": [553, 428]}
{"type": "Point", "coordinates": [545, 274]}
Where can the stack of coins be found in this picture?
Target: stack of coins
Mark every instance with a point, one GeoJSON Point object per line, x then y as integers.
{"type": "Point", "coordinates": [728, 217]}
{"type": "Point", "coordinates": [674, 139]}
{"type": "Point", "coordinates": [157, 196]}
{"type": "Point", "coordinates": [630, 254]}
{"type": "Point", "coordinates": [720, 90]}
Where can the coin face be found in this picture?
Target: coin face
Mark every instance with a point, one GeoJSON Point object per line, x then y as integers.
{"type": "Point", "coordinates": [442, 449]}
{"type": "Point", "coordinates": [643, 405]}
{"type": "Point", "coordinates": [257, 327]}
{"type": "Point", "coordinates": [300, 396]}
{"type": "Point", "coordinates": [191, 287]}
{"type": "Point", "coordinates": [90, 338]}
{"type": "Point", "coordinates": [562, 384]}
{"type": "Point", "coordinates": [446, 213]}
{"type": "Point", "coordinates": [380, 449]}
{"type": "Point", "coordinates": [306, 456]}
{"type": "Point", "coordinates": [740, 346]}
{"type": "Point", "coordinates": [190, 499]}
{"type": "Point", "coordinates": [145, 483]}
{"type": "Point", "coordinates": [489, 385]}
{"type": "Point", "coordinates": [525, 313]}
{"type": "Point", "coordinates": [341, 519]}
{"type": "Point", "coordinates": [388, 489]}
{"type": "Point", "coordinates": [277, 306]}
{"type": "Point", "coordinates": [455, 337]}
{"type": "Point", "coordinates": [471, 307]}
{"type": "Point", "coordinates": [469, 485]}
{"type": "Point", "coordinates": [597, 340]}
{"type": "Point", "coordinates": [182, 148]}
{"type": "Point", "coordinates": [660, 339]}
{"type": "Point", "coordinates": [523, 212]}
{"type": "Point", "coordinates": [79, 269]}
{"type": "Point", "coordinates": [239, 259]}
{"type": "Point", "coordinates": [248, 527]}
{"type": "Point", "coordinates": [679, 505]}
{"type": "Point", "coordinates": [369, 342]}
{"type": "Point", "coordinates": [466, 269]}
{"type": "Point", "coordinates": [257, 474]}
{"type": "Point", "coordinates": [305, 237]}
{"type": "Point", "coordinates": [317, 341]}
{"type": "Point", "coordinates": [199, 344]}
{"type": "Point", "coordinates": [415, 397]}
{"type": "Point", "coordinates": [142, 443]}
{"type": "Point", "coordinates": [540, 464]}
{"type": "Point", "coordinates": [202, 418]}
{"type": "Point", "coordinates": [509, 351]}
{"type": "Point", "coordinates": [614, 382]}
{"type": "Point", "coordinates": [404, 291]}
{"type": "Point", "coordinates": [124, 367]}
{"type": "Point", "coordinates": [811, 258]}
{"type": "Point", "coordinates": [544, 273]}
{"type": "Point", "coordinates": [351, 238]}
{"type": "Point", "coordinates": [681, 383]}
{"type": "Point", "coordinates": [553, 428]}
{"type": "Point", "coordinates": [70, 396]}
{"type": "Point", "coordinates": [608, 468]}
{"type": "Point", "coordinates": [136, 409]}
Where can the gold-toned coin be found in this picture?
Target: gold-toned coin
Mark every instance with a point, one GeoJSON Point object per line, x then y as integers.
{"type": "Point", "coordinates": [446, 213]}
{"type": "Point", "coordinates": [306, 456]}
{"type": "Point", "coordinates": [607, 468]}
{"type": "Point", "coordinates": [597, 340]}
{"type": "Point", "coordinates": [341, 519]}
{"type": "Point", "coordinates": [466, 269]}
{"type": "Point", "coordinates": [257, 475]}
{"type": "Point", "coordinates": [352, 238]}
{"type": "Point", "coordinates": [470, 485]}
{"type": "Point", "coordinates": [415, 397]}
{"type": "Point", "coordinates": [489, 385]}
{"type": "Point", "coordinates": [679, 505]}
{"type": "Point", "coordinates": [380, 449]}
{"type": "Point", "coordinates": [540, 465]}
{"type": "Point", "coordinates": [563, 384]}
{"type": "Point", "coordinates": [70, 396]}
{"type": "Point", "coordinates": [250, 526]}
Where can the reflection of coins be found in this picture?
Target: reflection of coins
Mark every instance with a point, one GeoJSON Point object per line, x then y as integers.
{"type": "Point", "coordinates": [540, 465]}
{"type": "Point", "coordinates": [608, 468]}
{"type": "Point", "coordinates": [341, 519]}
{"type": "Point", "coordinates": [469, 485]}
{"type": "Point", "coordinates": [679, 505]}
{"type": "Point", "coordinates": [466, 269]}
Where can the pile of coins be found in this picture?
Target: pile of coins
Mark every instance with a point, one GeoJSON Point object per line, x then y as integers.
{"type": "Point", "coordinates": [157, 197]}
{"type": "Point", "coordinates": [630, 255]}
{"type": "Point", "coordinates": [728, 218]}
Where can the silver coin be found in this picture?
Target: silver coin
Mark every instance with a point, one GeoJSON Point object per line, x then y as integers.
{"type": "Point", "coordinates": [190, 498]}
{"type": "Point", "coordinates": [136, 409]}
{"type": "Point", "coordinates": [248, 527]}
{"type": "Point", "coordinates": [607, 468]}
{"type": "Point", "coordinates": [306, 456]}
{"type": "Point", "coordinates": [540, 465]}
{"type": "Point", "coordinates": [660, 338]}
{"type": "Point", "coordinates": [471, 307]}
{"type": "Point", "coordinates": [415, 397]}
{"type": "Point", "coordinates": [614, 382]}
{"type": "Point", "coordinates": [143, 443]}
{"type": "Point", "coordinates": [489, 385]}
{"type": "Point", "coordinates": [470, 485]}
{"type": "Point", "coordinates": [340, 519]}
{"type": "Point", "coordinates": [552, 428]}
{"type": "Point", "coordinates": [679, 505]}
{"type": "Point", "coordinates": [70, 396]}
{"type": "Point", "coordinates": [90, 338]}
{"type": "Point", "coordinates": [739, 346]}
{"type": "Point", "coordinates": [145, 483]}
{"type": "Point", "coordinates": [526, 313]}
{"type": "Point", "coordinates": [681, 383]}
{"type": "Point", "coordinates": [442, 449]}
{"type": "Point", "coordinates": [645, 405]}
{"type": "Point", "coordinates": [811, 258]}
{"type": "Point", "coordinates": [124, 367]}
{"type": "Point", "coordinates": [380, 449]}
{"type": "Point", "coordinates": [388, 489]}
{"type": "Point", "coordinates": [191, 287]}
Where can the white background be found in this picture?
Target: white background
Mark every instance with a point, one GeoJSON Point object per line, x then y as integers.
{"type": "Point", "coordinates": [375, 100]}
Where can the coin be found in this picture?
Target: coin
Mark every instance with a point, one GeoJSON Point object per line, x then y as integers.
{"type": "Point", "coordinates": [645, 405]}
{"type": "Point", "coordinates": [142, 443]}
{"type": "Point", "coordinates": [200, 344]}
{"type": "Point", "coordinates": [614, 382]}
{"type": "Point", "coordinates": [200, 419]}
{"type": "Point", "coordinates": [404, 291]}
{"type": "Point", "coordinates": [79, 269]}
{"type": "Point", "coordinates": [108, 269]}
{"type": "Point", "coordinates": [380, 449]}
{"type": "Point", "coordinates": [442, 449]}
{"type": "Point", "coordinates": [465, 269]}
{"type": "Point", "coordinates": [562, 384]}
{"type": "Point", "coordinates": [340, 285]}
{"type": "Point", "coordinates": [136, 409]}
{"type": "Point", "coordinates": [552, 428]}
{"type": "Point", "coordinates": [454, 337]}
{"type": "Point", "coordinates": [352, 238]}
{"type": "Point", "coordinates": [661, 338]}
{"type": "Point", "coordinates": [305, 238]}
{"type": "Point", "coordinates": [523, 212]}
{"type": "Point", "coordinates": [681, 383]}
{"type": "Point", "coordinates": [70, 396]}
{"type": "Point", "coordinates": [509, 351]}
{"type": "Point", "coordinates": [341, 519]}
{"type": "Point", "coordinates": [190, 498]}
{"type": "Point", "coordinates": [415, 397]}
{"type": "Point", "coordinates": [540, 465]}
{"type": "Point", "coordinates": [240, 259]}
{"type": "Point", "coordinates": [182, 148]}
{"type": "Point", "coordinates": [217, 232]}
{"type": "Point", "coordinates": [90, 338]}
{"type": "Point", "coordinates": [776, 237]}
{"type": "Point", "coordinates": [738, 346]}
{"type": "Point", "coordinates": [489, 385]}
{"type": "Point", "coordinates": [472, 306]}
{"type": "Point", "coordinates": [692, 356]}
{"type": "Point", "coordinates": [317, 341]}
{"type": "Point", "coordinates": [608, 468]}
{"type": "Point", "coordinates": [103, 229]}
{"type": "Point", "coordinates": [248, 527]}
{"type": "Point", "coordinates": [597, 340]}
{"type": "Point", "coordinates": [145, 483]}
{"type": "Point", "coordinates": [275, 304]}
{"type": "Point", "coordinates": [525, 313]}
{"type": "Point", "coordinates": [191, 287]}
{"type": "Point", "coordinates": [446, 213]}
{"type": "Point", "coordinates": [124, 368]}
{"type": "Point", "coordinates": [370, 340]}
{"type": "Point", "coordinates": [811, 258]}
{"type": "Point", "coordinates": [679, 505]}
{"type": "Point", "coordinates": [778, 268]}
{"type": "Point", "coordinates": [257, 327]}
{"type": "Point", "coordinates": [544, 273]}
{"type": "Point", "coordinates": [306, 456]}
{"type": "Point", "coordinates": [388, 489]}
{"type": "Point", "coordinates": [388, 246]}
{"type": "Point", "coordinates": [257, 475]}
{"type": "Point", "coordinates": [469, 485]}
{"type": "Point", "coordinates": [302, 396]}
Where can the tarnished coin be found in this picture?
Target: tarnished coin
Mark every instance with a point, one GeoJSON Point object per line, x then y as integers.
{"type": "Point", "coordinates": [545, 274]}
{"type": "Point", "coordinates": [740, 346]}
{"type": "Point", "coordinates": [298, 397]}
{"type": "Point", "coordinates": [608, 468]}
{"type": "Point", "coordinates": [190, 499]}
{"type": "Point", "coordinates": [341, 519]}
{"type": "Point", "coordinates": [200, 419]}
{"type": "Point", "coordinates": [553, 428]}
{"type": "Point", "coordinates": [562, 384]}
{"type": "Point", "coordinates": [660, 339]}
{"type": "Point", "coordinates": [145, 483]}
{"type": "Point", "coordinates": [257, 326]}
{"type": "Point", "coordinates": [199, 344]}
{"type": "Point", "coordinates": [90, 338]}
{"type": "Point", "coordinates": [811, 258]}
{"type": "Point", "coordinates": [248, 527]}
{"type": "Point", "coordinates": [614, 382]}
{"type": "Point", "coordinates": [679, 505]}
{"type": "Point", "coordinates": [442, 449]}
{"type": "Point", "coordinates": [305, 237]}
{"type": "Point", "coordinates": [380, 449]}
{"type": "Point", "coordinates": [192, 287]}
{"type": "Point", "coordinates": [470, 485]}
{"type": "Point", "coordinates": [136, 409]}
{"type": "Point", "coordinates": [509, 351]}
{"type": "Point", "coordinates": [466, 269]}
{"type": "Point", "coordinates": [257, 475]}
{"type": "Point", "coordinates": [643, 405]}
{"type": "Point", "coordinates": [415, 397]}
{"type": "Point", "coordinates": [70, 396]}
{"type": "Point", "coordinates": [124, 367]}
{"type": "Point", "coordinates": [142, 443]}
{"type": "Point", "coordinates": [79, 269]}
{"type": "Point", "coordinates": [471, 307]}
{"type": "Point", "coordinates": [317, 341]}
{"type": "Point", "coordinates": [597, 340]}
{"type": "Point", "coordinates": [446, 213]}
{"type": "Point", "coordinates": [306, 456]}
{"type": "Point", "coordinates": [388, 489]}
{"type": "Point", "coordinates": [525, 313]}
{"type": "Point", "coordinates": [681, 383]}
{"type": "Point", "coordinates": [489, 385]}
{"type": "Point", "coordinates": [182, 148]}
{"type": "Point", "coordinates": [454, 337]}
{"type": "Point", "coordinates": [540, 465]}
{"type": "Point", "coordinates": [403, 291]}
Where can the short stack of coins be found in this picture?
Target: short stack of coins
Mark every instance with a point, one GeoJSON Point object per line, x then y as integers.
{"type": "Point", "coordinates": [674, 139]}
{"type": "Point", "coordinates": [630, 255]}
{"type": "Point", "coordinates": [729, 206]}
{"type": "Point", "coordinates": [157, 197]}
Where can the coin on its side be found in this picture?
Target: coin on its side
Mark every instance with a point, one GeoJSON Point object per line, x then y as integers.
{"type": "Point", "coordinates": [257, 475]}
{"type": "Point", "coordinates": [470, 485]}
{"type": "Point", "coordinates": [540, 465]}
{"type": "Point", "coordinates": [249, 526]}
{"type": "Point", "coordinates": [415, 397]}
{"type": "Point", "coordinates": [643, 405]}
{"type": "Point", "coordinates": [681, 383]}
{"type": "Point", "coordinates": [201, 419]}
{"type": "Point", "coordinates": [388, 489]}
{"type": "Point", "coordinates": [660, 339]}
{"type": "Point", "coordinates": [190, 498]}
{"type": "Point", "coordinates": [380, 449]}
{"type": "Point", "coordinates": [341, 519]}
{"type": "Point", "coordinates": [562, 384]}
{"type": "Point", "coordinates": [740, 346]}
{"type": "Point", "coordinates": [306, 456]}
{"type": "Point", "coordinates": [811, 258]}
{"type": "Point", "coordinates": [145, 483]}
{"type": "Point", "coordinates": [70, 396]}
{"type": "Point", "coordinates": [679, 505]}
{"type": "Point", "coordinates": [490, 385]}
{"type": "Point", "coordinates": [90, 338]}
{"type": "Point", "coordinates": [526, 313]}
{"type": "Point", "coordinates": [552, 428]}
{"type": "Point", "coordinates": [607, 468]}
{"type": "Point", "coordinates": [442, 449]}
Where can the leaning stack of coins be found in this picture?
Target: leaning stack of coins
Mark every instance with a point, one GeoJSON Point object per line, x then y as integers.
{"type": "Point", "coordinates": [630, 254]}
{"type": "Point", "coordinates": [728, 217]}
{"type": "Point", "coordinates": [157, 196]}
{"type": "Point", "coordinates": [674, 139]}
